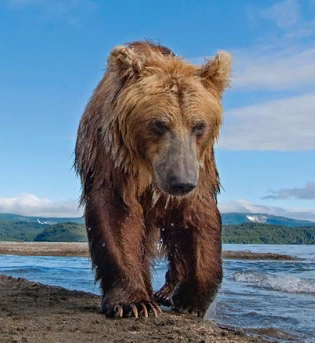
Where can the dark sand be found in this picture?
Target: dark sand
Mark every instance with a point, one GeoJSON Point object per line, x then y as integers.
{"type": "Point", "coordinates": [81, 249]}
{"type": "Point", "coordinates": [35, 313]}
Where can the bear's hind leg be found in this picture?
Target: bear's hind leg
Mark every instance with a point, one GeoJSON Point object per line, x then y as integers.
{"type": "Point", "coordinates": [164, 295]}
{"type": "Point", "coordinates": [176, 268]}
{"type": "Point", "coordinates": [150, 239]}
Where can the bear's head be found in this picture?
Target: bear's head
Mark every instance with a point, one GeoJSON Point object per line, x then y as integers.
{"type": "Point", "coordinates": [166, 112]}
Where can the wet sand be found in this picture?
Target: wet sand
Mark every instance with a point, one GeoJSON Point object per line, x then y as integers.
{"type": "Point", "coordinates": [81, 249]}
{"type": "Point", "coordinates": [44, 249]}
{"type": "Point", "coordinates": [35, 313]}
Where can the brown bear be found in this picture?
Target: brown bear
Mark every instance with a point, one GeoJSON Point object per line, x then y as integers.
{"type": "Point", "coordinates": [145, 156]}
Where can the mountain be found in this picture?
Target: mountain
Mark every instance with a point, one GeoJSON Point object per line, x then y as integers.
{"type": "Point", "coordinates": [9, 217]}
{"type": "Point", "coordinates": [63, 232]}
{"type": "Point", "coordinates": [23, 228]}
{"type": "Point", "coordinates": [241, 218]}
{"type": "Point", "coordinates": [20, 230]}
{"type": "Point", "coordinates": [14, 227]}
{"type": "Point", "coordinates": [227, 219]}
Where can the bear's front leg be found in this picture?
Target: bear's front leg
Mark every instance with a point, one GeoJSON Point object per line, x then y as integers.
{"type": "Point", "coordinates": [200, 247]}
{"type": "Point", "coordinates": [115, 233]}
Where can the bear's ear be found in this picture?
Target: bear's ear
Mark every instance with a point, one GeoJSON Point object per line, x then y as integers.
{"type": "Point", "coordinates": [215, 73]}
{"type": "Point", "coordinates": [125, 61]}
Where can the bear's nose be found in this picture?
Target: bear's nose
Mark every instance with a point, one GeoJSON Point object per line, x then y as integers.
{"type": "Point", "coordinates": [179, 187]}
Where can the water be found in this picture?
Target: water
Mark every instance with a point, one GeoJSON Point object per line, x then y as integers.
{"type": "Point", "coordinates": [272, 298]}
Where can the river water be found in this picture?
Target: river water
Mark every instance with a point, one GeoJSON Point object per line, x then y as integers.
{"type": "Point", "coordinates": [275, 299]}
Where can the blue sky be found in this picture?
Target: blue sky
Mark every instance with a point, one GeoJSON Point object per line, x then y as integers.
{"type": "Point", "coordinates": [53, 53]}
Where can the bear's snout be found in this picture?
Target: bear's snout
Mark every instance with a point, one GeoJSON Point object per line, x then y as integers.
{"type": "Point", "coordinates": [177, 169]}
{"type": "Point", "coordinates": [178, 186]}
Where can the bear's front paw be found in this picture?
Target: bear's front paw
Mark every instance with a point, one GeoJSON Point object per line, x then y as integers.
{"type": "Point", "coordinates": [189, 298]}
{"type": "Point", "coordinates": [140, 309]}
{"type": "Point", "coordinates": [163, 299]}
{"type": "Point", "coordinates": [164, 295]}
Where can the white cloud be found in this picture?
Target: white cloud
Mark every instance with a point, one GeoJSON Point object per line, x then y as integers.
{"type": "Point", "coordinates": [280, 60]}
{"type": "Point", "coordinates": [31, 205]}
{"type": "Point", "coordinates": [306, 193]}
{"type": "Point", "coordinates": [242, 206]}
{"type": "Point", "coordinates": [287, 125]}
{"type": "Point", "coordinates": [305, 29]}
{"type": "Point", "coordinates": [275, 68]}
{"type": "Point", "coordinates": [280, 64]}
{"type": "Point", "coordinates": [283, 13]}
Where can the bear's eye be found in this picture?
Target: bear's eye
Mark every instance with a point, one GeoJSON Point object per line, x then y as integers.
{"type": "Point", "coordinates": [159, 127]}
{"type": "Point", "coordinates": [199, 129]}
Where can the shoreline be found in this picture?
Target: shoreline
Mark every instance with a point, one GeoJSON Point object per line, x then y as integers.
{"type": "Point", "coordinates": [33, 312]}
{"type": "Point", "coordinates": [82, 250]}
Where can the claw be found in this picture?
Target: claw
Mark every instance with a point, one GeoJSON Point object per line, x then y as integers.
{"type": "Point", "coordinates": [163, 299]}
{"type": "Point", "coordinates": [157, 307]}
{"type": "Point", "coordinates": [201, 314]}
{"type": "Point", "coordinates": [118, 311]}
{"type": "Point", "coordinates": [134, 310]}
{"type": "Point", "coordinates": [153, 310]}
{"type": "Point", "coordinates": [144, 309]}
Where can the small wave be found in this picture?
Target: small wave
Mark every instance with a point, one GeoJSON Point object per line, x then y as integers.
{"type": "Point", "coordinates": [277, 283]}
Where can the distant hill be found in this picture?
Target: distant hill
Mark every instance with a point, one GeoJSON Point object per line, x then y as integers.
{"type": "Point", "coordinates": [257, 233]}
{"type": "Point", "coordinates": [63, 232]}
{"type": "Point", "coordinates": [20, 230]}
{"type": "Point", "coordinates": [9, 217]}
{"type": "Point", "coordinates": [241, 218]}
{"type": "Point", "coordinates": [227, 219]}
{"type": "Point", "coordinates": [238, 228]}
{"type": "Point", "coordinates": [246, 233]}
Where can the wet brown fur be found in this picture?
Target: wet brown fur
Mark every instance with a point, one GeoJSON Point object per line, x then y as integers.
{"type": "Point", "coordinates": [125, 211]}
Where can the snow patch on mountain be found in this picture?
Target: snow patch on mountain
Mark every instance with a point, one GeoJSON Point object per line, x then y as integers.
{"type": "Point", "coordinates": [49, 222]}
{"type": "Point", "coordinates": [257, 219]}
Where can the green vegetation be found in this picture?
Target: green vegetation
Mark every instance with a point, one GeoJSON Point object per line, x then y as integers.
{"type": "Point", "coordinates": [9, 217]}
{"type": "Point", "coordinates": [63, 232]}
{"type": "Point", "coordinates": [30, 229]}
{"type": "Point", "coordinates": [227, 219]}
{"type": "Point", "coordinates": [256, 233]}
{"type": "Point", "coordinates": [20, 230]}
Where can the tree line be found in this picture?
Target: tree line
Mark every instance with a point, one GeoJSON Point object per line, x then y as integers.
{"type": "Point", "coordinates": [247, 233]}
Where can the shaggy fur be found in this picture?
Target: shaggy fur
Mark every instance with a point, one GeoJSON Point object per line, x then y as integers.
{"type": "Point", "coordinates": [119, 159]}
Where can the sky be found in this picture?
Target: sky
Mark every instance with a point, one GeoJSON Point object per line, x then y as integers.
{"type": "Point", "coordinates": [53, 53]}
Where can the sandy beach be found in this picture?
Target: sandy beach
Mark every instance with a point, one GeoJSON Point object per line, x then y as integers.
{"type": "Point", "coordinates": [35, 313]}
{"type": "Point", "coordinates": [82, 249]}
